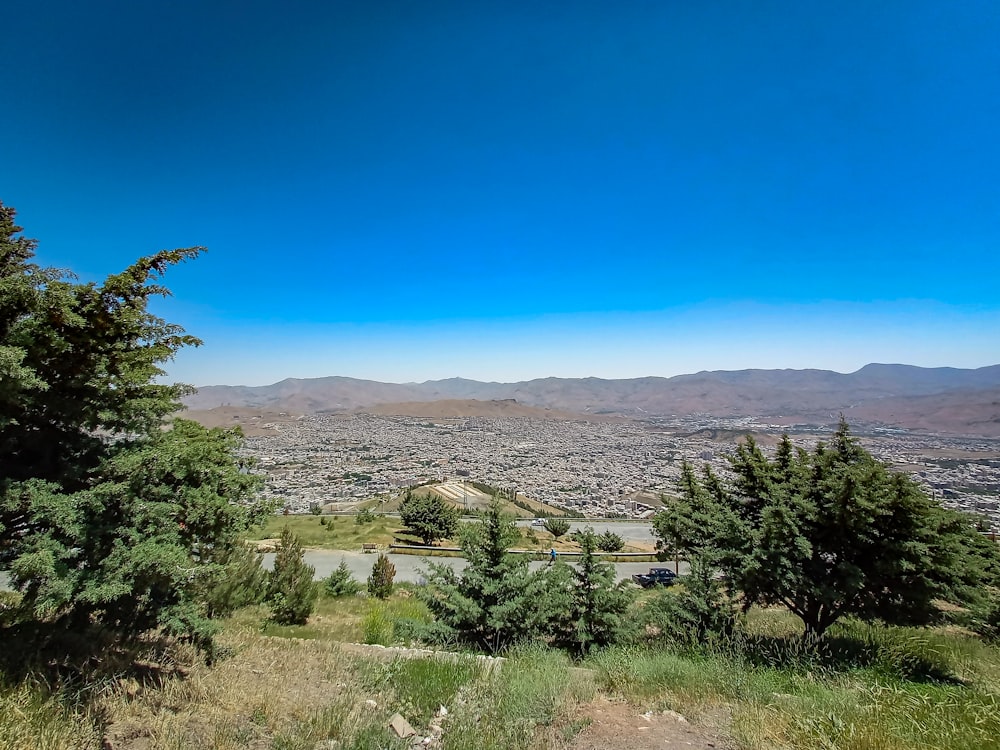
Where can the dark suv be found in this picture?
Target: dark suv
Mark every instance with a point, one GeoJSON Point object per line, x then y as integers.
{"type": "Point", "coordinates": [655, 577]}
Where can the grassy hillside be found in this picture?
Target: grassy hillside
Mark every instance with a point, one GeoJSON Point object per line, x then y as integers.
{"type": "Point", "coordinates": [295, 688]}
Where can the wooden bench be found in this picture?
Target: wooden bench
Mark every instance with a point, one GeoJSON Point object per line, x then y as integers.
{"type": "Point", "coordinates": [369, 548]}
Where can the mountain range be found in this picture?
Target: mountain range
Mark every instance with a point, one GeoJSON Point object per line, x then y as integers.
{"type": "Point", "coordinates": [943, 399]}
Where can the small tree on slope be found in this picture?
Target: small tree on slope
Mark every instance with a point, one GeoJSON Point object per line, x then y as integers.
{"type": "Point", "coordinates": [291, 593]}
{"type": "Point", "coordinates": [496, 601]}
{"type": "Point", "coordinates": [593, 614]}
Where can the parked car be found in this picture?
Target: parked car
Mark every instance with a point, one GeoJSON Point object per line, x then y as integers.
{"type": "Point", "coordinates": [655, 577]}
{"type": "Point", "coordinates": [538, 522]}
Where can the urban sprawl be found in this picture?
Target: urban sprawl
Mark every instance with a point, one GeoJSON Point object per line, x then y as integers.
{"type": "Point", "coordinates": [597, 469]}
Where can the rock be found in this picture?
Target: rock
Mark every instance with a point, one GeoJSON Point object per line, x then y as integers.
{"type": "Point", "coordinates": [442, 711]}
{"type": "Point", "coordinates": [401, 726]}
{"type": "Point", "coordinates": [371, 704]}
{"type": "Point", "coordinates": [675, 716]}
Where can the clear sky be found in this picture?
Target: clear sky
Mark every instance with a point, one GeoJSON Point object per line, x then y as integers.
{"type": "Point", "coordinates": [506, 190]}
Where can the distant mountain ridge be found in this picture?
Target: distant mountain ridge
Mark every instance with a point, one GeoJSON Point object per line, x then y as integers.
{"type": "Point", "coordinates": [953, 400]}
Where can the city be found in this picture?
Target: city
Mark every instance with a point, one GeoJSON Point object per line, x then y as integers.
{"type": "Point", "coordinates": [611, 468]}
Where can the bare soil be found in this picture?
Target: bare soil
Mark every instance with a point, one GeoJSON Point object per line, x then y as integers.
{"type": "Point", "coordinates": [618, 724]}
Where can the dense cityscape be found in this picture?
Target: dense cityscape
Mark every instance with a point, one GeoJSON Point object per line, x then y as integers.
{"type": "Point", "coordinates": [595, 468]}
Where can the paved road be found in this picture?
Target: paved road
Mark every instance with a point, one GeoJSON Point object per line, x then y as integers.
{"type": "Point", "coordinates": [409, 567]}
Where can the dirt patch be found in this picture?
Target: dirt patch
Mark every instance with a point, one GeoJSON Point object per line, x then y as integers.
{"type": "Point", "coordinates": [619, 724]}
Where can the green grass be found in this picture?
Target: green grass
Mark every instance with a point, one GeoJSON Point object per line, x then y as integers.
{"type": "Point", "coordinates": [350, 619]}
{"type": "Point", "coordinates": [867, 688]}
{"type": "Point", "coordinates": [339, 532]}
{"type": "Point", "coordinates": [33, 717]}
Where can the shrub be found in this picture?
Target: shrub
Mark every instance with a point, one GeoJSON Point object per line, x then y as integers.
{"type": "Point", "coordinates": [610, 542]}
{"type": "Point", "coordinates": [380, 581]}
{"type": "Point", "coordinates": [340, 582]}
{"type": "Point", "coordinates": [239, 582]}
{"type": "Point", "coordinates": [556, 526]}
{"type": "Point", "coordinates": [364, 516]}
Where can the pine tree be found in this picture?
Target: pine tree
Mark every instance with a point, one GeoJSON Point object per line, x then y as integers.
{"type": "Point", "coordinates": [496, 600]}
{"type": "Point", "coordinates": [827, 533]}
{"type": "Point", "coordinates": [292, 592]}
{"type": "Point", "coordinates": [381, 578]}
{"type": "Point", "coordinates": [106, 518]}
{"type": "Point", "coordinates": [596, 603]}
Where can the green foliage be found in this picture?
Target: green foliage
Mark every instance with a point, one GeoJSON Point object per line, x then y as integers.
{"type": "Point", "coordinates": [428, 516]}
{"type": "Point", "coordinates": [610, 542]}
{"type": "Point", "coordinates": [291, 592]}
{"type": "Point", "coordinates": [340, 582]}
{"type": "Point", "coordinates": [378, 626]}
{"type": "Point", "coordinates": [557, 527]}
{"type": "Point", "coordinates": [105, 518]}
{"type": "Point", "coordinates": [694, 613]}
{"type": "Point", "coordinates": [315, 509]}
{"type": "Point", "coordinates": [381, 578]}
{"type": "Point", "coordinates": [496, 600]}
{"type": "Point", "coordinates": [239, 581]}
{"type": "Point", "coordinates": [827, 533]}
{"type": "Point", "coordinates": [592, 616]}
{"type": "Point", "coordinates": [364, 516]}
{"type": "Point", "coordinates": [984, 617]}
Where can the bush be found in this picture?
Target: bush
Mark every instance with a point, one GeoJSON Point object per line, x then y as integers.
{"type": "Point", "coordinates": [556, 527]}
{"type": "Point", "coordinates": [380, 581]}
{"type": "Point", "coordinates": [292, 592]}
{"type": "Point", "coordinates": [340, 582]}
{"type": "Point", "coordinates": [984, 618]}
{"type": "Point", "coordinates": [610, 542]}
{"type": "Point", "coordinates": [239, 582]}
{"type": "Point", "coordinates": [364, 516]}
{"type": "Point", "coordinates": [697, 613]}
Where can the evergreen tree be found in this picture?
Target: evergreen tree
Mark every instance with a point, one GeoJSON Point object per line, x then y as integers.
{"type": "Point", "coordinates": [340, 582]}
{"type": "Point", "coordinates": [596, 603]}
{"type": "Point", "coordinates": [827, 533]}
{"type": "Point", "coordinates": [106, 518]}
{"type": "Point", "coordinates": [428, 516]}
{"type": "Point", "coordinates": [239, 581]}
{"type": "Point", "coordinates": [557, 527]}
{"type": "Point", "coordinates": [381, 578]}
{"type": "Point", "coordinates": [496, 600]}
{"type": "Point", "coordinates": [610, 542]}
{"type": "Point", "coordinates": [291, 593]}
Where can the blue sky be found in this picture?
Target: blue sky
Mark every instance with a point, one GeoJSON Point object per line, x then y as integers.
{"type": "Point", "coordinates": [505, 190]}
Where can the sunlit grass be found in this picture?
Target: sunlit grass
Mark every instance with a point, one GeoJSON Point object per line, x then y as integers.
{"type": "Point", "coordinates": [332, 532]}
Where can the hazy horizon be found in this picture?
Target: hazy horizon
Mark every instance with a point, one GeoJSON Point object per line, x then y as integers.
{"type": "Point", "coordinates": [572, 377]}
{"type": "Point", "coordinates": [505, 192]}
